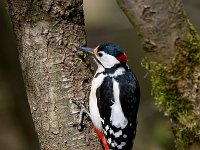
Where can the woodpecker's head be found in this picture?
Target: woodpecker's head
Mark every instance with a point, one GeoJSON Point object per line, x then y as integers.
{"type": "Point", "coordinates": [107, 55]}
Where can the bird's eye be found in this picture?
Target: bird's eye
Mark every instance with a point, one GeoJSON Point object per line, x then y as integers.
{"type": "Point", "coordinates": [100, 54]}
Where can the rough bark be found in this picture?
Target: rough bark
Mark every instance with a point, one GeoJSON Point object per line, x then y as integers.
{"type": "Point", "coordinates": [47, 32]}
{"type": "Point", "coordinates": [173, 59]}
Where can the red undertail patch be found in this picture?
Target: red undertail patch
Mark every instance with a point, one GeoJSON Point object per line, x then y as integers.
{"type": "Point", "coordinates": [102, 137]}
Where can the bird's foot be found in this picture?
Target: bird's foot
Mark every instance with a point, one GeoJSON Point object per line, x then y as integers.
{"type": "Point", "coordinates": [83, 111]}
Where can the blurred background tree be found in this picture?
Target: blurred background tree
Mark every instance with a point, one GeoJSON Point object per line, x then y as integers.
{"type": "Point", "coordinates": [111, 25]}
{"type": "Point", "coordinates": [172, 57]}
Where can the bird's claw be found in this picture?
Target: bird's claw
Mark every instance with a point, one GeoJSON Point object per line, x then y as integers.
{"type": "Point", "coordinates": [82, 112]}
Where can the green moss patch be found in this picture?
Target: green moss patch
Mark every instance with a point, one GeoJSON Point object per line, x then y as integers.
{"type": "Point", "coordinates": [170, 97]}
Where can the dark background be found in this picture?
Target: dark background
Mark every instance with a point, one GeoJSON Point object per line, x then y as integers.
{"type": "Point", "coordinates": [105, 22]}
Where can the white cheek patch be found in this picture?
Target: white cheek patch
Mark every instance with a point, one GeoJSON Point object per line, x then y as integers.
{"type": "Point", "coordinates": [107, 60]}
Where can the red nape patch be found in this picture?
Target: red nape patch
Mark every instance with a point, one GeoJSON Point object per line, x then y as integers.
{"type": "Point", "coordinates": [122, 57]}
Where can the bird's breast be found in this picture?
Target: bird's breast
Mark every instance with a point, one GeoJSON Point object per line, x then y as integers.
{"type": "Point", "coordinates": [94, 112]}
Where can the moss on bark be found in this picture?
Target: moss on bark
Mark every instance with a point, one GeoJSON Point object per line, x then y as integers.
{"type": "Point", "coordinates": [175, 88]}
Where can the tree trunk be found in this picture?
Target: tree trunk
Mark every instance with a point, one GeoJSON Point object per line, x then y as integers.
{"type": "Point", "coordinates": [173, 59]}
{"type": "Point", "coordinates": [48, 32]}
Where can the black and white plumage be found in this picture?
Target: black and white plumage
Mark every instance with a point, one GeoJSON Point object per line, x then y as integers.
{"type": "Point", "coordinates": [114, 97]}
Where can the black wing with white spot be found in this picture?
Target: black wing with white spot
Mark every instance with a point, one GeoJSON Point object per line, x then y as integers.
{"type": "Point", "coordinates": [129, 95]}
{"type": "Point", "coordinates": [129, 98]}
{"type": "Point", "coordinates": [105, 98]}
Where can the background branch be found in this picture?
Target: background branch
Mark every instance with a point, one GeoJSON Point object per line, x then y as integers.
{"type": "Point", "coordinates": [172, 49]}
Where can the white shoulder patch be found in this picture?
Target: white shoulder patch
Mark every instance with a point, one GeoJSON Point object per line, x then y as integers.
{"type": "Point", "coordinates": [117, 117]}
{"type": "Point", "coordinates": [118, 72]}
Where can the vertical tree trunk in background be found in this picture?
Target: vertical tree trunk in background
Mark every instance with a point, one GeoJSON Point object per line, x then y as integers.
{"type": "Point", "coordinates": [48, 32]}
{"type": "Point", "coordinates": [173, 60]}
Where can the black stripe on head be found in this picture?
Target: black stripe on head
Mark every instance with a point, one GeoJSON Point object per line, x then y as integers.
{"type": "Point", "coordinates": [111, 49]}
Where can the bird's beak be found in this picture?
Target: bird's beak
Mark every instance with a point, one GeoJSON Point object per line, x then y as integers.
{"type": "Point", "coordinates": [87, 50]}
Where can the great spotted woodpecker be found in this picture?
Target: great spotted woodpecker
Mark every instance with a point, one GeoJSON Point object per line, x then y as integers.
{"type": "Point", "coordinates": [114, 97]}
